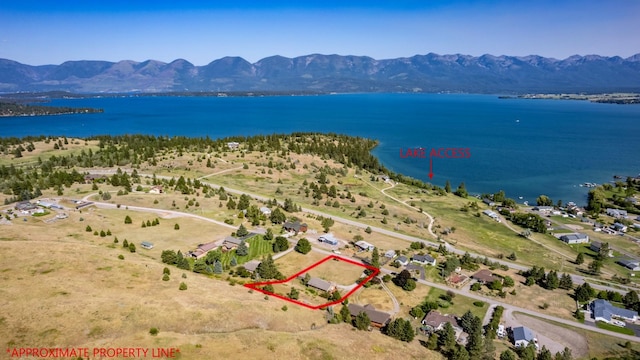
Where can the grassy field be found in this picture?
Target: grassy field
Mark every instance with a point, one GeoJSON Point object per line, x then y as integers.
{"type": "Point", "coordinates": [81, 295]}
{"type": "Point", "coordinates": [375, 296]}
{"type": "Point", "coordinates": [459, 304]}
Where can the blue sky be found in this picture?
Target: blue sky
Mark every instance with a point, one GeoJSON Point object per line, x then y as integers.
{"type": "Point", "coordinates": [51, 32]}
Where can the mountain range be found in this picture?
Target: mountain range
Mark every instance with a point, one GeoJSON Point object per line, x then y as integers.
{"type": "Point", "coordinates": [334, 73]}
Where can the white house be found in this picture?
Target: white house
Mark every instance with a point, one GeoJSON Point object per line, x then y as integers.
{"type": "Point", "coordinates": [364, 246]}
{"type": "Point", "coordinates": [328, 238]}
{"type": "Point", "coordinates": [402, 260]}
{"type": "Point", "coordinates": [522, 336]}
{"type": "Point", "coordinates": [424, 260]}
{"type": "Point", "coordinates": [575, 238]}
{"type": "Point", "coordinates": [602, 310]}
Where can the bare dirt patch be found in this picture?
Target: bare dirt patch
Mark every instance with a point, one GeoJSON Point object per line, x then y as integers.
{"type": "Point", "coordinates": [555, 338]}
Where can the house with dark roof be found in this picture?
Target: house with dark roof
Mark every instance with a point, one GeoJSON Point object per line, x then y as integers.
{"type": "Point", "coordinates": [575, 238]}
{"type": "Point", "coordinates": [484, 276]}
{"type": "Point", "coordinates": [597, 245]}
{"type": "Point", "coordinates": [633, 265]}
{"type": "Point", "coordinates": [295, 226]}
{"type": "Point", "coordinates": [435, 321]}
{"type": "Point", "coordinates": [230, 243]}
{"type": "Point", "coordinates": [602, 310]}
{"type": "Point", "coordinates": [522, 336]}
{"type": "Point", "coordinates": [25, 206]}
{"type": "Point", "coordinates": [402, 260]}
{"type": "Point", "coordinates": [488, 202]}
{"type": "Point", "coordinates": [424, 260]}
{"type": "Point", "coordinates": [619, 227]}
{"type": "Point", "coordinates": [379, 319]}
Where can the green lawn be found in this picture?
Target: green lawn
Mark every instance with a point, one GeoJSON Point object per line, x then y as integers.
{"type": "Point", "coordinates": [610, 327]}
{"type": "Point", "coordinates": [257, 248]}
{"type": "Point", "coordinates": [460, 304]}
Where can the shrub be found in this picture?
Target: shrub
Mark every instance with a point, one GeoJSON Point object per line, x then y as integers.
{"type": "Point", "coordinates": [183, 286]}
{"type": "Point", "coordinates": [285, 308]}
{"type": "Point", "coordinates": [165, 277]}
{"type": "Point", "coordinates": [154, 331]}
{"type": "Point", "coordinates": [121, 257]}
{"type": "Point", "coordinates": [478, 303]}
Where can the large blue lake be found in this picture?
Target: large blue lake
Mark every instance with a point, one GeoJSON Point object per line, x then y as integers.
{"type": "Point", "coordinates": [524, 147]}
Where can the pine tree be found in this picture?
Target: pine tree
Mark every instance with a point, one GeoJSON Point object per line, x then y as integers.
{"type": "Point", "coordinates": [267, 269]}
{"type": "Point", "coordinates": [345, 314]}
{"type": "Point", "coordinates": [233, 261]}
{"type": "Point", "coordinates": [217, 267]}
{"type": "Point", "coordinates": [125, 243]}
{"type": "Point", "coordinates": [579, 259]}
{"type": "Point", "coordinates": [375, 258]}
{"type": "Point", "coordinates": [362, 321]}
{"type": "Point", "coordinates": [565, 282]}
{"type": "Point", "coordinates": [242, 249]}
{"type": "Point", "coordinates": [447, 339]}
{"type": "Point", "coordinates": [552, 282]}
{"type": "Point", "coordinates": [242, 231]}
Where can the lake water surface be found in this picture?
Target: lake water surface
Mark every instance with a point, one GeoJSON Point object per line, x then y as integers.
{"type": "Point", "coordinates": [524, 147]}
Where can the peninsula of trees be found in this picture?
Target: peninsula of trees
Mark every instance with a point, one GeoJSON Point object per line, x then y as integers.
{"type": "Point", "coordinates": [15, 109]}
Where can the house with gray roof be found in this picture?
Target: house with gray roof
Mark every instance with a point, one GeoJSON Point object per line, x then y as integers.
{"type": "Point", "coordinates": [424, 260]}
{"type": "Point", "coordinates": [329, 239]}
{"type": "Point", "coordinates": [575, 238]}
{"type": "Point", "coordinates": [231, 242]}
{"type": "Point", "coordinates": [321, 284]}
{"type": "Point", "coordinates": [523, 336]}
{"type": "Point", "coordinates": [633, 265]}
{"type": "Point", "coordinates": [402, 260]}
{"type": "Point", "coordinates": [617, 213]}
{"type": "Point", "coordinates": [602, 310]}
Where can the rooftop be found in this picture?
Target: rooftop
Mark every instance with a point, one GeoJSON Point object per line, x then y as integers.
{"type": "Point", "coordinates": [375, 316]}
{"type": "Point", "coordinates": [522, 333]}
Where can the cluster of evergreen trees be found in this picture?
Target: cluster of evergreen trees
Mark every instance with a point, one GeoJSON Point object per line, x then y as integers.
{"type": "Point", "coordinates": [27, 181]}
{"type": "Point", "coordinates": [549, 281]}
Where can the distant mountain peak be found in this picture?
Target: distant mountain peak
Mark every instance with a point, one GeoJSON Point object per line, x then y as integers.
{"type": "Point", "coordinates": [342, 73]}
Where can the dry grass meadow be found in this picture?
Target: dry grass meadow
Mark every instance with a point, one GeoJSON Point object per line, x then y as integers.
{"type": "Point", "coordinates": [65, 287]}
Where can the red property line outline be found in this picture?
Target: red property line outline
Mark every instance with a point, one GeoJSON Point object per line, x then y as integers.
{"type": "Point", "coordinates": [255, 286]}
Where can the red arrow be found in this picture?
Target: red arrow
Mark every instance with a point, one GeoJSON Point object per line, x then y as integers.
{"type": "Point", "coordinates": [430, 167]}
